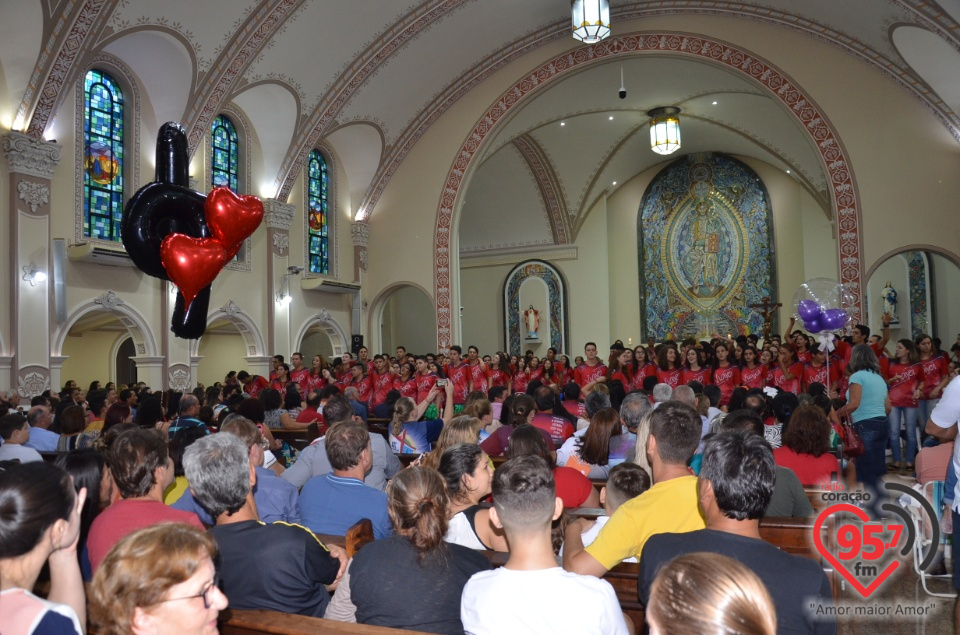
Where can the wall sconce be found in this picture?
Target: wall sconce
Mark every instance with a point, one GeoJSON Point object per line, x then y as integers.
{"type": "Point", "coordinates": [33, 274]}
{"type": "Point", "coordinates": [283, 295]}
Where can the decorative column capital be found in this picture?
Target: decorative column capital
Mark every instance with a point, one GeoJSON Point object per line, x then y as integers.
{"type": "Point", "coordinates": [360, 232]}
{"type": "Point", "coordinates": [26, 155]}
{"type": "Point", "coordinates": [277, 214]}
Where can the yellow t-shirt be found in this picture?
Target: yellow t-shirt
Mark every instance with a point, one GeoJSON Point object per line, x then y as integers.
{"type": "Point", "coordinates": [669, 507]}
{"type": "Point", "coordinates": [175, 491]}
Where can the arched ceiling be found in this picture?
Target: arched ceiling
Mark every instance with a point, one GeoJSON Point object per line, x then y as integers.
{"type": "Point", "coordinates": [391, 65]}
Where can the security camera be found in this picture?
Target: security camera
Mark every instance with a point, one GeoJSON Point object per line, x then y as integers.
{"type": "Point", "coordinates": [623, 87]}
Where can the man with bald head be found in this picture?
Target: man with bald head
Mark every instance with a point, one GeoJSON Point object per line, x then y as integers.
{"type": "Point", "coordinates": [189, 409]}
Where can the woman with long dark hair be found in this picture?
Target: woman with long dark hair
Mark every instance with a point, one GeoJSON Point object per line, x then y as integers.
{"type": "Point", "coordinates": [668, 366]}
{"type": "Point", "coordinates": [590, 454]}
{"type": "Point", "coordinates": [469, 477]}
{"type": "Point", "coordinates": [40, 524]}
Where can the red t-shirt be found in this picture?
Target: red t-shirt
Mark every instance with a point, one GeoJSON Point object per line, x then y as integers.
{"type": "Point", "coordinates": [125, 517]}
{"type": "Point", "coordinates": [459, 375]}
{"type": "Point", "coordinates": [520, 381]}
{"type": "Point", "coordinates": [573, 488]}
{"type": "Point", "coordinates": [669, 377]}
{"type": "Point", "coordinates": [424, 384]}
{"type": "Point", "coordinates": [478, 377]}
{"type": "Point", "coordinates": [727, 378]}
{"type": "Point", "coordinates": [702, 375]}
{"type": "Point", "coordinates": [301, 376]}
{"type": "Point", "coordinates": [381, 385]}
{"type": "Point", "coordinates": [407, 388]}
{"type": "Point", "coordinates": [754, 377]}
{"type": "Point", "coordinates": [257, 383]}
{"type": "Point", "coordinates": [364, 386]}
{"type": "Point", "coordinates": [934, 370]}
{"type": "Point", "coordinates": [804, 356]}
{"type": "Point", "coordinates": [809, 469]}
{"type": "Point", "coordinates": [314, 382]}
{"type": "Point", "coordinates": [585, 374]}
{"type": "Point", "coordinates": [647, 370]}
{"type": "Point", "coordinates": [818, 375]}
{"type": "Point", "coordinates": [904, 379]}
{"type": "Point", "coordinates": [576, 408]}
{"type": "Point", "coordinates": [559, 428]}
{"type": "Point", "coordinates": [498, 378]}
{"type": "Point", "coordinates": [777, 380]}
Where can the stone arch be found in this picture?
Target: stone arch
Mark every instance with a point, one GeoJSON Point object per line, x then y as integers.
{"type": "Point", "coordinates": [556, 309]}
{"type": "Point", "coordinates": [949, 255]}
{"type": "Point", "coordinates": [143, 338]}
{"type": "Point", "coordinates": [323, 319]}
{"type": "Point", "coordinates": [842, 185]}
{"type": "Point", "coordinates": [251, 335]}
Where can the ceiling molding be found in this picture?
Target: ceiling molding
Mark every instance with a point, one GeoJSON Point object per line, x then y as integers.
{"type": "Point", "coordinates": [548, 184]}
{"type": "Point", "coordinates": [906, 78]}
{"type": "Point", "coordinates": [347, 83]}
{"type": "Point", "coordinates": [934, 19]}
{"type": "Point", "coordinates": [57, 62]}
{"type": "Point", "coordinates": [513, 256]}
{"type": "Point", "coordinates": [251, 36]}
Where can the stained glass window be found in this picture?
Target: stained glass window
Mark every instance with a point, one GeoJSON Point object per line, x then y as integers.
{"type": "Point", "coordinates": [317, 207]}
{"type": "Point", "coordinates": [102, 156]}
{"type": "Point", "coordinates": [226, 154]}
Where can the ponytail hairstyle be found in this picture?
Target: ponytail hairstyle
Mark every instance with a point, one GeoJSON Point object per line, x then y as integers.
{"type": "Point", "coordinates": [33, 496]}
{"type": "Point", "coordinates": [401, 412]}
{"type": "Point", "coordinates": [520, 409]}
{"type": "Point", "coordinates": [417, 506]}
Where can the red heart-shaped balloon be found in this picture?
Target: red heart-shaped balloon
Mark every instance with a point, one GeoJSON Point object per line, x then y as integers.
{"type": "Point", "coordinates": [232, 218]}
{"type": "Point", "coordinates": [192, 263]}
{"type": "Point", "coordinates": [864, 590]}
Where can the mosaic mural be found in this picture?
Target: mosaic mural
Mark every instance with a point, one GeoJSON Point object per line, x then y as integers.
{"type": "Point", "coordinates": [704, 241]}
{"type": "Point", "coordinates": [917, 267]}
{"type": "Point", "coordinates": [555, 293]}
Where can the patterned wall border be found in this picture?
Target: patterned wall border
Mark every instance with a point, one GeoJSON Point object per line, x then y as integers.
{"type": "Point", "coordinates": [547, 183]}
{"type": "Point", "coordinates": [131, 91]}
{"type": "Point", "coordinates": [917, 266]}
{"type": "Point", "coordinates": [843, 189]}
{"type": "Point", "coordinates": [348, 82]}
{"type": "Point", "coordinates": [70, 47]}
{"type": "Point", "coordinates": [481, 71]}
{"type": "Point", "coordinates": [247, 42]}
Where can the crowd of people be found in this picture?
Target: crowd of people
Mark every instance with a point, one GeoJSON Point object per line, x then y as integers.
{"type": "Point", "coordinates": [166, 503]}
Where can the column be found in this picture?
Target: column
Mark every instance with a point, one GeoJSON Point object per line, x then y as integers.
{"type": "Point", "coordinates": [360, 232]}
{"type": "Point", "coordinates": [278, 217]}
{"type": "Point", "coordinates": [31, 164]}
{"type": "Point", "coordinates": [150, 371]}
{"type": "Point", "coordinates": [259, 365]}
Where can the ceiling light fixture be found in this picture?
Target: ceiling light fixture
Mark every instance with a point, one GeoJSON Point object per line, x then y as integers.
{"type": "Point", "coordinates": [591, 20]}
{"type": "Point", "coordinates": [563, 123]}
{"type": "Point", "coordinates": [614, 182]}
{"type": "Point", "coordinates": [283, 295]}
{"type": "Point", "coordinates": [610, 117]}
{"type": "Point", "coordinates": [714, 103]}
{"type": "Point", "coordinates": [33, 274]}
{"type": "Point", "coordinates": [664, 129]}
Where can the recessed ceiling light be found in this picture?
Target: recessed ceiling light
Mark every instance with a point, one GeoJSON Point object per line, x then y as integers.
{"type": "Point", "coordinates": [614, 182]}
{"type": "Point", "coordinates": [611, 117]}
{"type": "Point", "coordinates": [788, 171]}
{"type": "Point", "coordinates": [563, 123]}
{"type": "Point", "coordinates": [714, 103]}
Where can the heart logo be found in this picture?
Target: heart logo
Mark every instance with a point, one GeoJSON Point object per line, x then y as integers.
{"type": "Point", "coordinates": [232, 218]}
{"type": "Point", "coordinates": [865, 591]}
{"type": "Point", "coordinates": [192, 263]}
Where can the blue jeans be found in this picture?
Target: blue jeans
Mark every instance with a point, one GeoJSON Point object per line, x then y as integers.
{"type": "Point", "coordinates": [926, 407]}
{"type": "Point", "coordinates": [909, 417]}
{"type": "Point", "coordinates": [871, 465]}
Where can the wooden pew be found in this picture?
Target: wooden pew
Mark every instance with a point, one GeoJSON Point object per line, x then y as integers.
{"type": "Point", "coordinates": [235, 622]}
{"type": "Point", "coordinates": [297, 438]}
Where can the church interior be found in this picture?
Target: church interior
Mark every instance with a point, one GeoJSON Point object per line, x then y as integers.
{"type": "Point", "coordinates": [430, 169]}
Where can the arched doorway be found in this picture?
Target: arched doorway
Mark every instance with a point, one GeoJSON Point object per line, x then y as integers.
{"type": "Point", "coordinates": [126, 367]}
{"type": "Point", "coordinates": [922, 286]}
{"type": "Point", "coordinates": [406, 318]}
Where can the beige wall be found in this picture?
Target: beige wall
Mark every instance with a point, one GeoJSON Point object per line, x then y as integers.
{"type": "Point", "coordinates": [89, 357]}
{"type": "Point", "coordinates": [221, 352]}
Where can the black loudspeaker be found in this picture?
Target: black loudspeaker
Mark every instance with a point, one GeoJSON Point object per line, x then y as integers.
{"type": "Point", "coordinates": [356, 343]}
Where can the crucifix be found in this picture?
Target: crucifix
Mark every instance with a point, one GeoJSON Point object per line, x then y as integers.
{"type": "Point", "coordinates": [768, 307]}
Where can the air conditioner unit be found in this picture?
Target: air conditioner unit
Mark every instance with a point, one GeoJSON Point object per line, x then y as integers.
{"type": "Point", "coordinates": [321, 284]}
{"type": "Point", "coordinates": [88, 252]}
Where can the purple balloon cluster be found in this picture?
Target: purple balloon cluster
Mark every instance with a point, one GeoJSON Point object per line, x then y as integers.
{"type": "Point", "coordinates": [816, 318]}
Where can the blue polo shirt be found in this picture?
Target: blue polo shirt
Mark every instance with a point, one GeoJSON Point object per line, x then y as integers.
{"type": "Point", "coordinates": [332, 504]}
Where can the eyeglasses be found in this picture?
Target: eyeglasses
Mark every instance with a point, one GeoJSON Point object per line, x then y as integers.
{"type": "Point", "coordinates": [206, 594]}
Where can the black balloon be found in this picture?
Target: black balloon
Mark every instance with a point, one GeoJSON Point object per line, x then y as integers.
{"type": "Point", "coordinates": [163, 207]}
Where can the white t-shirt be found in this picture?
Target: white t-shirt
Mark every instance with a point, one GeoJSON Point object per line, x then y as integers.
{"type": "Point", "coordinates": [945, 414]}
{"type": "Point", "coordinates": [591, 534]}
{"type": "Point", "coordinates": [10, 451]}
{"type": "Point", "coordinates": [526, 603]}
